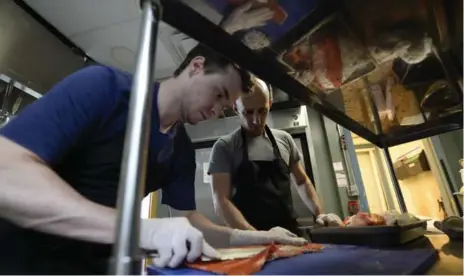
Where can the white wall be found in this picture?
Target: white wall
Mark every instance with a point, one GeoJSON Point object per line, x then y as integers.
{"type": "Point", "coordinates": [286, 119]}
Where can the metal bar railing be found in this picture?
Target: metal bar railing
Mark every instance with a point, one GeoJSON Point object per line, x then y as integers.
{"type": "Point", "coordinates": [385, 148]}
{"type": "Point", "coordinates": [126, 258]}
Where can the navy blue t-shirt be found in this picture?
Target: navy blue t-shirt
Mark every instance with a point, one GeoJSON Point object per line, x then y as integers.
{"type": "Point", "coordinates": [78, 129]}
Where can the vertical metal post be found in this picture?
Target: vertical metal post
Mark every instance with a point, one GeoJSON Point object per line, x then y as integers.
{"type": "Point", "coordinates": [352, 167]}
{"type": "Point", "coordinates": [396, 184]}
{"type": "Point", "coordinates": [452, 75]}
{"type": "Point", "coordinates": [5, 113]}
{"type": "Point", "coordinates": [386, 153]}
{"type": "Point", "coordinates": [126, 256]}
{"type": "Point", "coordinates": [321, 162]}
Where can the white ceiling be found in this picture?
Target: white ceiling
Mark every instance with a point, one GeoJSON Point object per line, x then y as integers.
{"type": "Point", "coordinates": [108, 31]}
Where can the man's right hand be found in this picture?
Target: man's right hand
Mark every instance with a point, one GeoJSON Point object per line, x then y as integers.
{"type": "Point", "coordinates": [329, 220]}
{"type": "Point", "coordinates": [245, 237]}
{"type": "Point", "coordinates": [175, 239]}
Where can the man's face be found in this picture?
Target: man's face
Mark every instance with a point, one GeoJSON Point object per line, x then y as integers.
{"type": "Point", "coordinates": [207, 95]}
{"type": "Point", "coordinates": [253, 110]}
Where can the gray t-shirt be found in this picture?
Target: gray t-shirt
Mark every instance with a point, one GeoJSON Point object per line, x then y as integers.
{"type": "Point", "coordinates": [227, 153]}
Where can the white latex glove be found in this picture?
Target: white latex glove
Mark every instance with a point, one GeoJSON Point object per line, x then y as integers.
{"type": "Point", "coordinates": [175, 239]}
{"type": "Point", "coordinates": [280, 230]}
{"type": "Point", "coordinates": [243, 18]}
{"type": "Point", "coordinates": [329, 220]}
{"type": "Point", "coordinates": [275, 235]}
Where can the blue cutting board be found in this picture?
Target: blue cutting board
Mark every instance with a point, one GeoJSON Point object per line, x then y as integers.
{"type": "Point", "coordinates": [338, 259]}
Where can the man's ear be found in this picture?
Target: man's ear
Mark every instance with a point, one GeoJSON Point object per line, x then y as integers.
{"type": "Point", "coordinates": [196, 66]}
{"type": "Point", "coordinates": [271, 94]}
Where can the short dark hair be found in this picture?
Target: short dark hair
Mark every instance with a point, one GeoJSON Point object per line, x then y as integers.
{"type": "Point", "coordinates": [215, 62]}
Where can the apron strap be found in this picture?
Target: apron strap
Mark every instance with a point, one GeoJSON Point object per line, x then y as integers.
{"type": "Point", "coordinates": [245, 145]}
{"type": "Point", "coordinates": [273, 141]}
{"type": "Point", "coordinates": [274, 144]}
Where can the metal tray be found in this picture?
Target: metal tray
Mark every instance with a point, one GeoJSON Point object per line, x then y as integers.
{"type": "Point", "coordinates": [380, 236]}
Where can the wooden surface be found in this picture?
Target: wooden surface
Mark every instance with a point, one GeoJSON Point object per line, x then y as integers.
{"type": "Point", "coordinates": [450, 255]}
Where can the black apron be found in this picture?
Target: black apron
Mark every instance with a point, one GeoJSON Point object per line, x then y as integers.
{"type": "Point", "coordinates": [263, 191]}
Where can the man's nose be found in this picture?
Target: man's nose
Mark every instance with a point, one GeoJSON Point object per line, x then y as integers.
{"type": "Point", "coordinates": [211, 114]}
{"type": "Point", "coordinates": [215, 111]}
{"type": "Point", "coordinates": [256, 119]}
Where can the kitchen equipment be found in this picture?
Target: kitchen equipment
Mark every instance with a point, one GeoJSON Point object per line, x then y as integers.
{"type": "Point", "coordinates": [452, 226]}
{"type": "Point", "coordinates": [439, 97]}
{"type": "Point", "coordinates": [4, 113]}
{"type": "Point", "coordinates": [411, 163]}
{"type": "Point", "coordinates": [377, 236]}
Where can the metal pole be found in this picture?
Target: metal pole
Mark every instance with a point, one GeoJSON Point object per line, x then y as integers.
{"type": "Point", "coordinates": [353, 168]}
{"type": "Point", "coordinates": [126, 255]}
{"type": "Point", "coordinates": [4, 112]}
{"type": "Point", "coordinates": [321, 161]}
{"type": "Point", "coordinates": [396, 184]}
{"type": "Point", "coordinates": [391, 170]}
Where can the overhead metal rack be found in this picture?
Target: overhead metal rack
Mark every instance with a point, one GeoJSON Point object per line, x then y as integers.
{"type": "Point", "coordinates": [265, 65]}
{"type": "Point", "coordinates": [265, 68]}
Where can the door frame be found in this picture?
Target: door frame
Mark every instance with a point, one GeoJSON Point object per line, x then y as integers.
{"type": "Point", "coordinates": [377, 171]}
{"type": "Point", "coordinates": [305, 153]}
{"type": "Point", "coordinates": [438, 163]}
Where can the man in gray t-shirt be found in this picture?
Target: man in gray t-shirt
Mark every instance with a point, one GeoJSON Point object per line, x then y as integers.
{"type": "Point", "coordinates": [227, 151]}
{"type": "Point", "coordinates": [251, 170]}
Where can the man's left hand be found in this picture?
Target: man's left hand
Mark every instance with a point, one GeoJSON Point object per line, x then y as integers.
{"type": "Point", "coordinates": [275, 235]}
{"type": "Point", "coordinates": [329, 220]}
{"type": "Point", "coordinates": [280, 230]}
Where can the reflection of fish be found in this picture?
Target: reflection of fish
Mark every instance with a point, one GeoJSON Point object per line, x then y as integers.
{"type": "Point", "coordinates": [256, 40]}
{"type": "Point", "coordinates": [287, 14]}
{"type": "Point", "coordinates": [279, 13]}
{"type": "Point", "coordinates": [299, 57]}
{"type": "Point", "coordinates": [320, 57]}
{"type": "Point", "coordinates": [327, 63]}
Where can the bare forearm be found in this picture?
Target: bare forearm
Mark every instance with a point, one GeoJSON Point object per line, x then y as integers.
{"type": "Point", "coordinates": [312, 195]}
{"type": "Point", "coordinates": [233, 216]}
{"type": "Point", "coordinates": [33, 196]}
{"type": "Point", "coordinates": [309, 197]}
{"type": "Point", "coordinates": [306, 189]}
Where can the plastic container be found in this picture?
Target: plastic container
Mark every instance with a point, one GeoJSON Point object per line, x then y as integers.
{"type": "Point", "coordinates": [376, 236]}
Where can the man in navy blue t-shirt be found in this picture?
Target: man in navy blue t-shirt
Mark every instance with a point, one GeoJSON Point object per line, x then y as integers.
{"type": "Point", "coordinates": [60, 164]}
